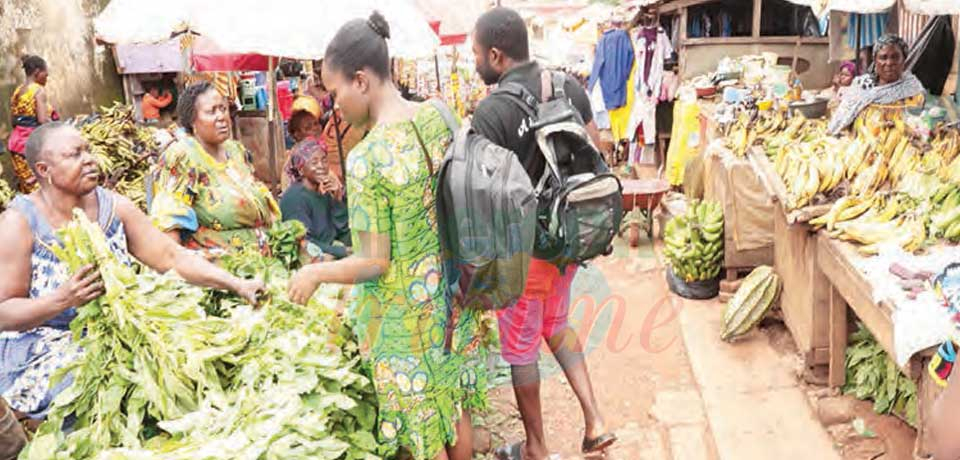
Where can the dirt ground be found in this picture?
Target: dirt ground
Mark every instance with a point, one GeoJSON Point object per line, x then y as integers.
{"type": "Point", "coordinates": [635, 353]}
{"type": "Point", "coordinates": [631, 359]}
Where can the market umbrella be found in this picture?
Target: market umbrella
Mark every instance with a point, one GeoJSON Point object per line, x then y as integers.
{"type": "Point", "coordinates": [299, 29]}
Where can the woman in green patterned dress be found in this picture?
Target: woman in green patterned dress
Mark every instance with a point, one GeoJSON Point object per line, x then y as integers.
{"type": "Point", "coordinates": [399, 312]}
{"type": "Point", "coordinates": [205, 194]}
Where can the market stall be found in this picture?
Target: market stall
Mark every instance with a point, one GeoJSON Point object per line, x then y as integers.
{"type": "Point", "coordinates": [266, 35]}
{"type": "Point", "coordinates": [842, 215]}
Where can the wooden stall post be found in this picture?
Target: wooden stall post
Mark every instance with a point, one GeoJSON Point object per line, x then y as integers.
{"type": "Point", "coordinates": [838, 339]}
{"type": "Point", "coordinates": [272, 124]}
{"type": "Point", "coordinates": [805, 298]}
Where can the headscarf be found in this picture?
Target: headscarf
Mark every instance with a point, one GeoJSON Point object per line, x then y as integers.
{"type": "Point", "coordinates": [849, 66]}
{"type": "Point", "coordinates": [864, 90]}
{"type": "Point", "coordinates": [300, 156]}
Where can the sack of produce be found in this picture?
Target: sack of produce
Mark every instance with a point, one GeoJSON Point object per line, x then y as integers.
{"type": "Point", "coordinates": [694, 247]}
{"type": "Point", "coordinates": [753, 300]}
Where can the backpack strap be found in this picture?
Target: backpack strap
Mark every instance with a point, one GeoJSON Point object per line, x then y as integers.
{"type": "Point", "coordinates": [546, 86]}
{"type": "Point", "coordinates": [447, 115]}
{"type": "Point", "coordinates": [521, 96]}
{"type": "Point", "coordinates": [423, 147]}
{"type": "Point", "coordinates": [559, 80]}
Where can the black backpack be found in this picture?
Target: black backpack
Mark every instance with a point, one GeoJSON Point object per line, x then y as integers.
{"type": "Point", "coordinates": [580, 202]}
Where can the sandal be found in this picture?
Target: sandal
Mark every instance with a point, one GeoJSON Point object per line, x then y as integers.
{"type": "Point", "coordinates": [598, 444]}
{"type": "Point", "coordinates": [515, 452]}
{"type": "Point", "coordinates": [510, 452]}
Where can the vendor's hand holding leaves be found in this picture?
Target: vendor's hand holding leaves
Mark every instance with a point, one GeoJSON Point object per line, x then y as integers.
{"type": "Point", "coordinates": [250, 290]}
{"type": "Point", "coordinates": [83, 287]}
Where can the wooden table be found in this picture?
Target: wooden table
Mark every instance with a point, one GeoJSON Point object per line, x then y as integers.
{"type": "Point", "coordinates": [848, 287]}
{"type": "Point", "coordinates": [804, 297]}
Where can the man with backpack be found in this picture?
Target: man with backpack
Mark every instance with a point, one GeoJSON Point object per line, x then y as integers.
{"type": "Point", "coordinates": [509, 118]}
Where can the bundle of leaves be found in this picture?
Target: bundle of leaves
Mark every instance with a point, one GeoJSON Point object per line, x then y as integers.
{"type": "Point", "coordinates": [159, 378]}
{"type": "Point", "coordinates": [872, 375]}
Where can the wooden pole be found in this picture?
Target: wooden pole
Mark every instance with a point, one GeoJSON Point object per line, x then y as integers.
{"type": "Point", "coordinates": [272, 123]}
{"type": "Point", "coordinates": [436, 68]}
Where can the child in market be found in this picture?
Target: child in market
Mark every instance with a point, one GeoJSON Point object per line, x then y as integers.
{"type": "Point", "coordinates": [153, 101]}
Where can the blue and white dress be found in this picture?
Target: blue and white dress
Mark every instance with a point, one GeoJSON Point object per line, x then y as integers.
{"type": "Point", "coordinates": [29, 358]}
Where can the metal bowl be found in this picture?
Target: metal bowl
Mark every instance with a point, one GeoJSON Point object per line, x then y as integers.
{"type": "Point", "coordinates": [814, 109]}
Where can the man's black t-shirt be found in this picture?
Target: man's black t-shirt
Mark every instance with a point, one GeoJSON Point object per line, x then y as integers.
{"type": "Point", "coordinates": [500, 118]}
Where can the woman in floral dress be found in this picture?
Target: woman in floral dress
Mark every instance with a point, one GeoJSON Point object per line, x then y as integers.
{"type": "Point", "coordinates": [399, 311]}
{"type": "Point", "coordinates": [205, 195]}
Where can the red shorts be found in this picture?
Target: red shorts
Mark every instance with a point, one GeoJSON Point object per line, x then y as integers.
{"type": "Point", "coordinates": [541, 312]}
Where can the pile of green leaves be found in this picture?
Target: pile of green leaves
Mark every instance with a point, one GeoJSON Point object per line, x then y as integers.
{"type": "Point", "coordinates": [285, 238]}
{"type": "Point", "coordinates": [159, 378]}
{"type": "Point", "coordinates": [871, 374]}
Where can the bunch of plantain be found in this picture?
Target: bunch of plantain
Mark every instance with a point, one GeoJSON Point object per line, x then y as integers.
{"type": "Point", "coordinates": [122, 149]}
{"type": "Point", "coordinates": [809, 169]}
{"type": "Point", "coordinates": [694, 242]}
{"type": "Point", "coordinates": [747, 130]}
{"type": "Point", "coordinates": [945, 221]}
{"type": "Point", "coordinates": [875, 221]}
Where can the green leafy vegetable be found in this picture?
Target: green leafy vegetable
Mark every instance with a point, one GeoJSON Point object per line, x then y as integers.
{"type": "Point", "coordinates": [871, 374]}
{"type": "Point", "coordinates": [285, 238]}
{"type": "Point", "coordinates": [159, 378]}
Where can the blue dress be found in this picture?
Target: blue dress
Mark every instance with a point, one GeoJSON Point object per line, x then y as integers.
{"type": "Point", "coordinates": [29, 358]}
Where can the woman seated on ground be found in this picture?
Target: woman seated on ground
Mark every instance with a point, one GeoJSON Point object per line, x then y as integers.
{"type": "Point", "coordinates": [841, 82]}
{"type": "Point", "coordinates": [312, 199]}
{"type": "Point", "coordinates": [400, 312]}
{"type": "Point", "coordinates": [37, 294]}
{"type": "Point", "coordinates": [205, 195]}
{"type": "Point", "coordinates": [877, 99]}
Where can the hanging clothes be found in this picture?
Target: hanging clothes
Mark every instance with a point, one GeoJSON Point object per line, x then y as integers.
{"type": "Point", "coordinates": [611, 67]}
{"type": "Point", "coordinates": [653, 48]}
{"type": "Point", "coordinates": [600, 114]}
{"type": "Point", "coordinates": [872, 26]}
{"type": "Point", "coordinates": [620, 117]}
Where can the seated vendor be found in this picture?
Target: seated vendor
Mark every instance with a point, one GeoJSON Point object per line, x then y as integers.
{"type": "Point", "coordinates": [38, 294]}
{"type": "Point", "coordinates": [205, 195]}
{"type": "Point", "coordinates": [879, 98]}
{"type": "Point", "coordinates": [313, 199]}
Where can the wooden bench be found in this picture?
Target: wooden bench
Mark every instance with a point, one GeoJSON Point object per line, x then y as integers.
{"type": "Point", "coordinates": [849, 288]}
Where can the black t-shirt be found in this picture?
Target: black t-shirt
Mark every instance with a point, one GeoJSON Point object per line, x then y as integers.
{"type": "Point", "coordinates": [500, 118]}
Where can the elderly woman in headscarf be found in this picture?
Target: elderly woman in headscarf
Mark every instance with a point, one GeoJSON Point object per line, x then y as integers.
{"type": "Point", "coordinates": [314, 199]}
{"type": "Point", "coordinates": [879, 98]}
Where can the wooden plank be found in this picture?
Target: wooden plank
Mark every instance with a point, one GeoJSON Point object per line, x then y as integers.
{"type": "Point", "coordinates": [838, 339]}
{"type": "Point", "coordinates": [927, 393]}
{"type": "Point", "coordinates": [669, 7]}
{"type": "Point", "coordinates": [808, 213]}
{"type": "Point", "coordinates": [778, 190]}
{"type": "Point", "coordinates": [805, 290]}
{"type": "Point", "coordinates": [855, 290]}
{"type": "Point", "coordinates": [807, 41]}
{"type": "Point", "coordinates": [767, 174]}
{"type": "Point", "coordinates": [757, 10]}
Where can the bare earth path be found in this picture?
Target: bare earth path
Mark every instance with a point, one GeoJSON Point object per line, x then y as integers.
{"type": "Point", "coordinates": [665, 382]}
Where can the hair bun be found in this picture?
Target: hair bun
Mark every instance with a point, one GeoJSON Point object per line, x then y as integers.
{"type": "Point", "coordinates": [379, 24]}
